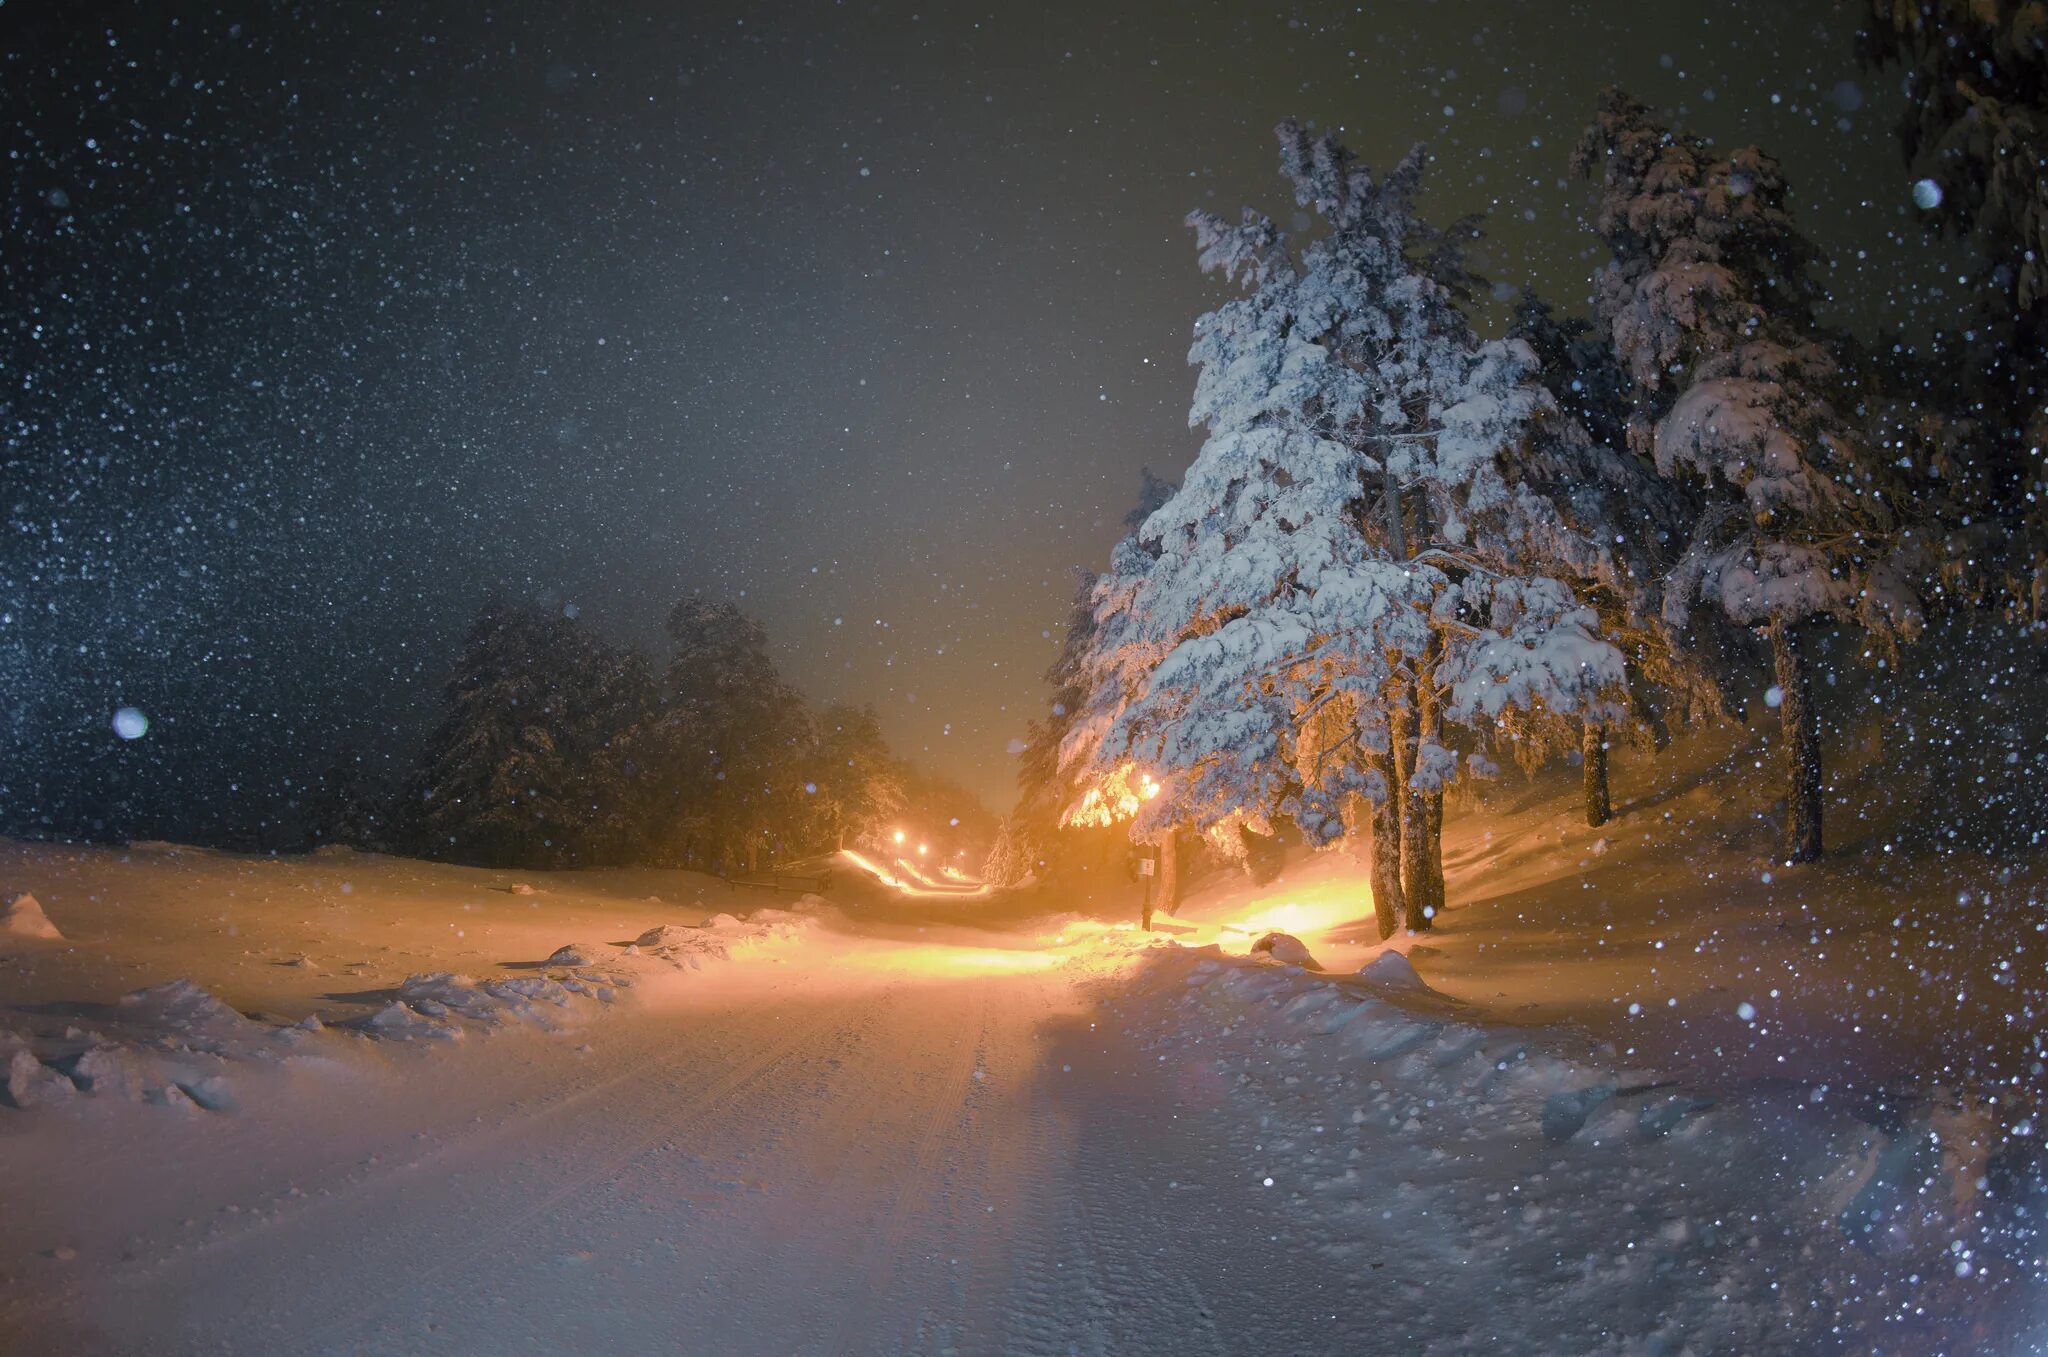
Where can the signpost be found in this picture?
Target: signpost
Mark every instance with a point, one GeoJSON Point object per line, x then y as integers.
{"type": "Point", "coordinates": [1148, 867]}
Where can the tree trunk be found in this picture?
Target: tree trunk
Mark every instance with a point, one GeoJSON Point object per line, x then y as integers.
{"type": "Point", "coordinates": [1423, 883]}
{"type": "Point", "coordinates": [1802, 744]}
{"type": "Point", "coordinates": [1593, 743]}
{"type": "Point", "coordinates": [1422, 811]}
{"type": "Point", "coordinates": [1414, 856]}
{"type": "Point", "coordinates": [1433, 846]}
{"type": "Point", "coordinates": [1386, 846]}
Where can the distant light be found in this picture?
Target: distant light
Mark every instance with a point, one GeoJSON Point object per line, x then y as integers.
{"type": "Point", "coordinates": [899, 836]}
{"type": "Point", "coordinates": [130, 723]}
{"type": "Point", "coordinates": [1927, 195]}
{"type": "Point", "coordinates": [922, 850]}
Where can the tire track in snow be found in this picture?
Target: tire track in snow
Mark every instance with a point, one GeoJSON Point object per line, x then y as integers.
{"type": "Point", "coordinates": [867, 1179]}
{"type": "Point", "coordinates": [671, 1125]}
{"type": "Point", "coordinates": [823, 1197]}
{"type": "Point", "coordinates": [1088, 1273]}
{"type": "Point", "coordinates": [920, 1180]}
{"type": "Point", "coordinates": [1054, 1300]}
{"type": "Point", "coordinates": [1151, 1302]}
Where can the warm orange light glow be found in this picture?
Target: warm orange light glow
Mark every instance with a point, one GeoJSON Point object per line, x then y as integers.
{"type": "Point", "coordinates": [905, 876]}
{"type": "Point", "coordinates": [871, 867]}
{"type": "Point", "coordinates": [1308, 912]}
{"type": "Point", "coordinates": [899, 836]}
{"type": "Point", "coordinates": [1116, 798]}
{"type": "Point", "coordinates": [939, 963]}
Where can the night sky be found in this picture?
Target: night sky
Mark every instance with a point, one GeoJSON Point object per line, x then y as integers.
{"type": "Point", "coordinates": [322, 320]}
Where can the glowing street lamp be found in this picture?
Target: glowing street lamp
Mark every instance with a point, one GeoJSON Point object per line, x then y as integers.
{"type": "Point", "coordinates": [1117, 797]}
{"type": "Point", "coordinates": [899, 836]}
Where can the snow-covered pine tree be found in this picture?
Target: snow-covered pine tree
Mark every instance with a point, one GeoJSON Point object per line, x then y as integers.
{"type": "Point", "coordinates": [1349, 537]}
{"type": "Point", "coordinates": [1011, 860]}
{"type": "Point", "coordinates": [1513, 645]}
{"type": "Point", "coordinates": [1581, 465]}
{"type": "Point", "coordinates": [512, 773]}
{"type": "Point", "coordinates": [348, 809]}
{"type": "Point", "coordinates": [1253, 593]}
{"type": "Point", "coordinates": [860, 789]}
{"type": "Point", "coordinates": [1709, 305]}
{"type": "Point", "coordinates": [724, 750]}
{"type": "Point", "coordinates": [1476, 461]}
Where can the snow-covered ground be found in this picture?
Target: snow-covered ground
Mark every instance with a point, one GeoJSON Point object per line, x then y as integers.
{"type": "Point", "coordinates": [646, 1112]}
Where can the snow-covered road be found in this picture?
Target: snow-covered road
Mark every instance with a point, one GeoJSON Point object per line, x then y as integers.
{"type": "Point", "coordinates": [873, 1158]}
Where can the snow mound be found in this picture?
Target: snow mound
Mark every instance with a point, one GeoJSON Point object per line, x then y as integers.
{"type": "Point", "coordinates": [683, 947]}
{"type": "Point", "coordinates": [584, 954]}
{"type": "Point", "coordinates": [24, 918]}
{"type": "Point", "coordinates": [527, 990]}
{"type": "Point", "coordinates": [106, 1070]}
{"type": "Point", "coordinates": [30, 1082]}
{"type": "Point", "coordinates": [443, 993]}
{"type": "Point", "coordinates": [181, 1019]}
{"type": "Point", "coordinates": [1392, 971]}
{"type": "Point", "coordinates": [1286, 949]}
{"type": "Point", "coordinates": [169, 1045]}
{"type": "Point", "coordinates": [396, 1022]}
{"type": "Point", "coordinates": [436, 1006]}
{"type": "Point", "coordinates": [441, 1005]}
{"type": "Point", "coordinates": [722, 937]}
{"type": "Point", "coordinates": [1565, 1114]}
{"type": "Point", "coordinates": [180, 1006]}
{"type": "Point", "coordinates": [672, 935]}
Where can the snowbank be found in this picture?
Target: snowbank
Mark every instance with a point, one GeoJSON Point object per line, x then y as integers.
{"type": "Point", "coordinates": [172, 1044]}
{"type": "Point", "coordinates": [178, 1045]}
{"type": "Point", "coordinates": [1389, 1120]}
{"type": "Point", "coordinates": [722, 937]}
{"type": "Point", "coordinates": [443, 1005]}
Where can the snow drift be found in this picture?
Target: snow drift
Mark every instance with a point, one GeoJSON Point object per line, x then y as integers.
{"type": "Point", "coordinates": [1601, 1187]}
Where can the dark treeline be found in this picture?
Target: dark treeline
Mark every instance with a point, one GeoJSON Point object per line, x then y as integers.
{"type": "Point", "coordinates": [555, 748]}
